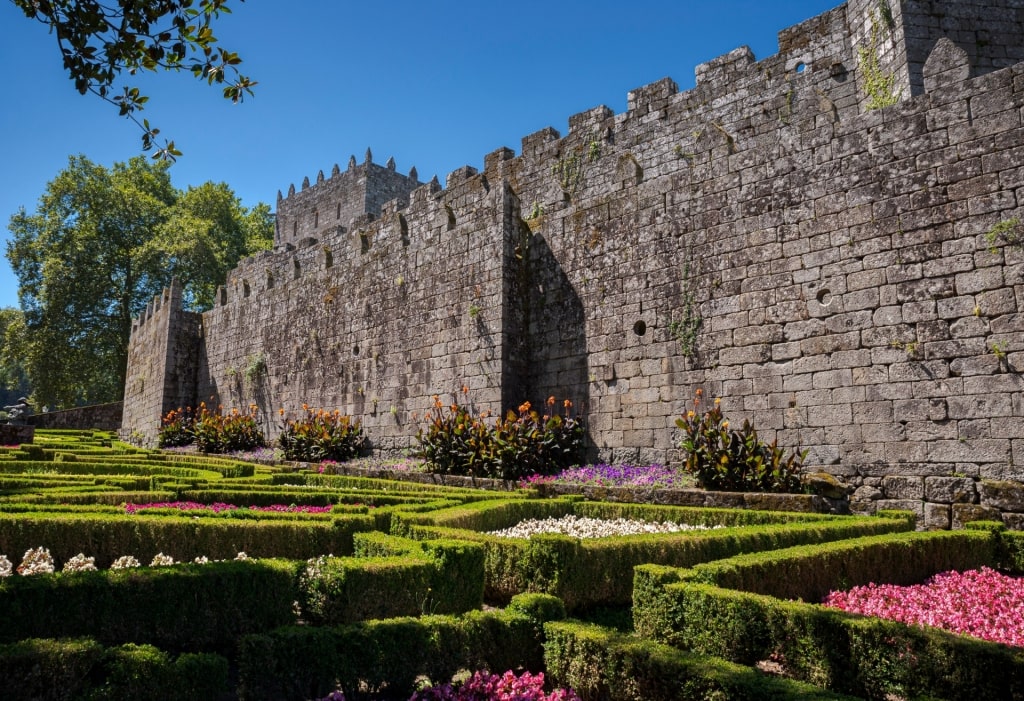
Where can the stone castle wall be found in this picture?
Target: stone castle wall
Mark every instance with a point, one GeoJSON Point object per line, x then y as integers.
{"type": "Point", "coordinates": [849, 279]}
{"type": "Point", "coordinates": [162, 365]}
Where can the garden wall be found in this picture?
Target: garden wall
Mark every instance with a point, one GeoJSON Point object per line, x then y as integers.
{"type": "Point", "coordinates": [849, 279]}
{"type": "Point", "coordinates": [105, 417]}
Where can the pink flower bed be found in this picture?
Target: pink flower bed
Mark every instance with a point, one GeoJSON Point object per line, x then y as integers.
{"type": "Point", "coordinates": [485, 686]}
{"type": "Point", "coordinates": [219, 506]}
{"type": "Point", "coordinates": [979, 603]}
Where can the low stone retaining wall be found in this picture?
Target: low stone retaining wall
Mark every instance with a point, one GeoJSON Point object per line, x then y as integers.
{"type": "Point", "coordinates": [16, 434]}
{"type": "Point", "coordinates": [804, 503]}
{"type": "Point", "coordinates": [943, 501]}
{"type": "Point", "coordinates": [103, 417]}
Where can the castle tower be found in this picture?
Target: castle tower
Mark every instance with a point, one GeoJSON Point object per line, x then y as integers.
{"type": "Point", "coordinates": [335, 202]}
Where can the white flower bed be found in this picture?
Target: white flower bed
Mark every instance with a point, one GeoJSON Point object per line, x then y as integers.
{"type": "Point", "coordinates": [39, 561]}
{"type": "Point", "coordinates": [583, 527]}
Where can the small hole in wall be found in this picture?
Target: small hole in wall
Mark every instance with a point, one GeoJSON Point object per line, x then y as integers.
{"type": "Point", "coordinates": [355, 350]}
{"type": "Point", "coordinates": [824, 297]}
{"type": "Point", "coordinates": [640, 328]}
{"type": "Point", "coordinates": [801, 67]}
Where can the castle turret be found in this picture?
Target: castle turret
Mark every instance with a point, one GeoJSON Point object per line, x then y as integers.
{"type": "Point", "coordinates": [334, 202]}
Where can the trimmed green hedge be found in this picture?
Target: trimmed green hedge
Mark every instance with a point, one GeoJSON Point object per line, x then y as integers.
{"type": "Point", "coordinates": [829, 648]}
{"type": "Point", "coordinates": [400, 579]}
{"type": "Point", "coordinates": [57, 670]}
{"type": "Point", "coordinates": [1009, 545]}
{"type": "Point", "coordinates": [603, 665]}
{"type": "Point", "coordinates": [592, 572]}
{"type": "Point", "coordinates": [185, 607]}
{"type": "Point", "coordinates": [310, 662]}
{"type": "Point", "coordinates": [809, 572]}
{"type": "Point", "coordinates": [456, 574]}
{"type": "Point", "coordinates": [108, 537]}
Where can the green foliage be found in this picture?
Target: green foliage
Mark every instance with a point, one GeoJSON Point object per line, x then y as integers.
{"type": "Point", "coordinates": [599, 663]}
{"type": "Point", "coordinates": [296, 663]}
{"type": "Point", "coordinates": [100, 245]}
{"type": "Point", "coordinates": [216, 432]}
{"type": "Point", "coordinates": [98, 41]}
{"type": "Point", "coordinates": [1008, 231]}
{"type": "Point", "coordinates": [184, 607]}
{"type": "Point", "coordinates": [52, 670]}
{"type": "Point", "coordinates": [393, 577]}
{"type": "Point", "coordinates": [725, 459]}
{"type": "Point", "coordinates": [204, 235]}
{"type": "Point", "coordinates": [878, 85]}
{"type": "Point", "coordinates": [177, 428]}
{"type": "Point", "coordinates": [522, 443]}
{"type": "Point", "coordinates": [569, 170]}
{"type": "Point", "coordinates": [111, 536]}
{"type": "Point", "coordinates": [686, 328]}
{"type": "Point", "coordinates": [867, 657]}
{"type": "Point", "coordinates": [322, 435]}
{"type": "Point", "coordinates": [599, 572]}
{"type": "Point", "coordinates": [144, 671]}
{"type": "Point", "coordinates": [334, 591]}
{"type": "Point", "coordinates": [13, 372]}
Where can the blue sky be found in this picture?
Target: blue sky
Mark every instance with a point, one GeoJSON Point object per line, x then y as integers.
{"type": "Point", "coordinates": [433, 84]}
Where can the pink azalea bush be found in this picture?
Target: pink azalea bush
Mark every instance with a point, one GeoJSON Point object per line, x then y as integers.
{"type": "Point", "coordinates": [980, 603]}
{"type": "Point", "coordinates": [484, 686]}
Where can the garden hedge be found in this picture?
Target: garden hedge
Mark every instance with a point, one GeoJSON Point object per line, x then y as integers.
{"type": "Point", "coordinates": [605, 665]}
{"type": "Point", "coordinates": [309, 662]}
{"type": "Point", "coordinates": [107, 537]}
{"type": "Point", "coordinates": [593, 572]}
{"type": "Point", "coordinates": [691, 609]}
{"type": "Point", "coordinates": [185, 607]}
{"type": "Point", "coordinates": [82, 669]}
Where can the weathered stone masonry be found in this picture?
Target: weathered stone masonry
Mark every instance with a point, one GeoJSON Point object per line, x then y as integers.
{"type": "Point", "coordinates": [850, 280]}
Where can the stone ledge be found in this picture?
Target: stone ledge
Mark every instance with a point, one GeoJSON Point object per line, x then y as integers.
{"type": "Point", "coordinates": [802, 503]}
{"type": "Point", "coordinates": [16, 434]}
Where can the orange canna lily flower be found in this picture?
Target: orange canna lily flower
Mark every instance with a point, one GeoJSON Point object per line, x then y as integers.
{"type": "Point", "coordinates": [567, 403]}
{"type": "Point", "coordinates": [551, 400]}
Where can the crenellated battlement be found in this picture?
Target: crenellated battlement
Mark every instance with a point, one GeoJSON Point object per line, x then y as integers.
{"type": "Point", "coordinates": [336, 201]}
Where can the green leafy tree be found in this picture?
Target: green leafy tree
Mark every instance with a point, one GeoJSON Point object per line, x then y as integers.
{"type": "Point", "coordinates": [13, 375]}
{"type": "Point", "coordinates": [99, 41]}
{"type": "Point", "coordinates": [206, 233]}
{"type": "Point", "coordinates": [102, 243]}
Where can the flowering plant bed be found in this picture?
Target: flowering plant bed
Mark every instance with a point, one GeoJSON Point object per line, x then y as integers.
{"type": "Point", "coordinates": [617, 475]}
{"type": "Point", "coordinates": [980, 603]}
{"type": "Point", "coordinates": [218, 507]}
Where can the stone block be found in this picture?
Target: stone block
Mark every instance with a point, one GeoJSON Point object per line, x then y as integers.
{"type": "Point", "coordinates": [1005, 495]}
{"type": "Point", "coordinates": [965, 513]}
{"type": "Point", "coordinates": [913, 505]}
{"type": "Point", "coordinates": [936, 516]}
{"type": "Point", "coordinates": [899, 487]}
{"type": "Point", "coordinates": [950, 490]}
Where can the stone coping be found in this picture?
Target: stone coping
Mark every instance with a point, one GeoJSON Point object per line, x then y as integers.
{"type": "Point", "coordinates": [802, 503]}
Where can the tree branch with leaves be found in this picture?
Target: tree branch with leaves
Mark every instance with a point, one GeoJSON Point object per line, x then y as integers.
{"type": "Point", "coordinates": [99, 41]}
